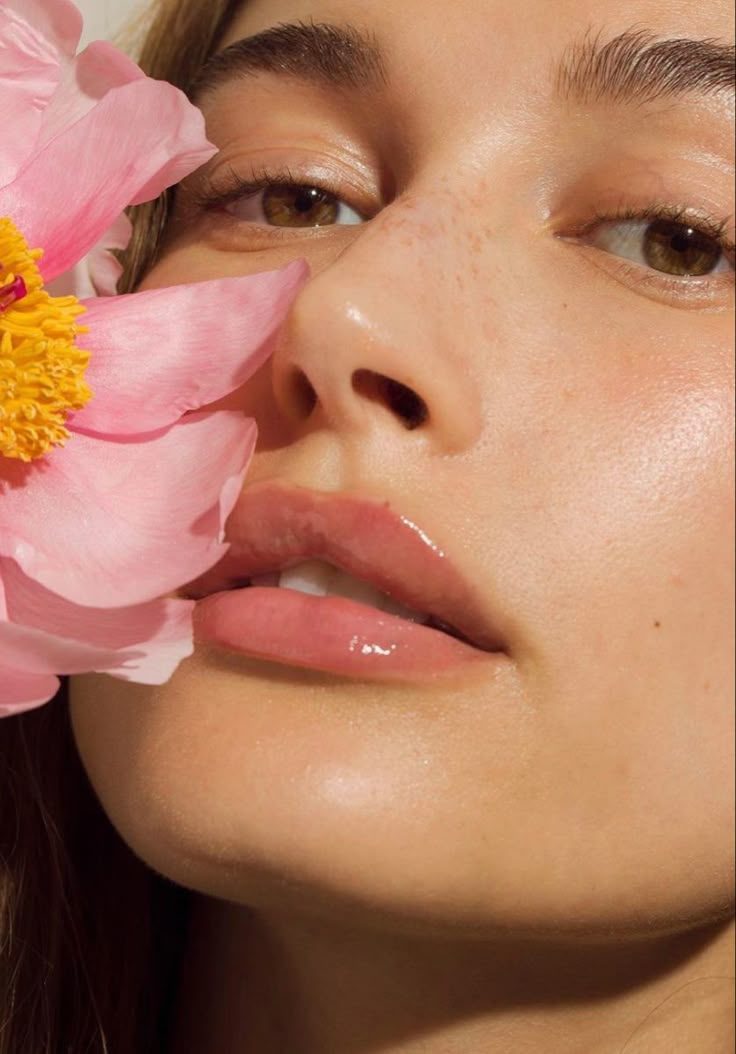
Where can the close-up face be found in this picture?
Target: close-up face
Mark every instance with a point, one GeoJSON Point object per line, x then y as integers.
{"type": "Point", "coordinates": [496, 436]}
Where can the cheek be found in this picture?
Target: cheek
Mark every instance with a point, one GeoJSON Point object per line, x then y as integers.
{"type": "Point", "coordinates": [646, 509]}
{"type": "Point", "coordinates": [624, 539]}
{"type": "Point", "coordinates": [187, 257]}
{"type": "Point", "coordinates": [185, 262]}
{"type": "Point", "coordinates": [613, 473]}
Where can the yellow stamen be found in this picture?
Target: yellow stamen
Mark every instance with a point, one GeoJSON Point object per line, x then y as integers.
{"type": "Point", "coordinates": [41, 369]}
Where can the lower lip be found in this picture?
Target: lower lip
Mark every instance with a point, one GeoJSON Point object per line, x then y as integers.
{"type": "Point", "coordinates": [332, 634]}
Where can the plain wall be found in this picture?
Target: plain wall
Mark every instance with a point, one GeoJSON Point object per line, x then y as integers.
{"type": "Point", "coordinates": [103, 18]}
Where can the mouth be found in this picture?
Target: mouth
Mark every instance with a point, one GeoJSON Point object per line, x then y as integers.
{"type": "Point", "coordinates": [338, 584]}
{"type": "Point", "coordinates": [317, 578]}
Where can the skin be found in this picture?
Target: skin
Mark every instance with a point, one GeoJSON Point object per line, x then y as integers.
{"type": "Point", "coordinates": [541, 860]}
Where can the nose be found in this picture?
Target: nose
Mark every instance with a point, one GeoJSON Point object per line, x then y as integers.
{"type": "Point", "coordinates": [379, 339]}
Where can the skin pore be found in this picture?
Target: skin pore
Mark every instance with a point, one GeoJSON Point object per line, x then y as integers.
{"type": "Point", "coordinates": [538, 859]}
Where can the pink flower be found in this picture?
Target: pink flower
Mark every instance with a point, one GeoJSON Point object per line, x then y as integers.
{"type": "Point", "coordinates": [115, 482]}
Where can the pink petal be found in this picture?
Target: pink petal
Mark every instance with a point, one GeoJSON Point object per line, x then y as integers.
{"type": "Point", "coordinates": [85, 80]}
{"type": "Point", "coordinates": [138, 140]}
{"type": "Point", "coordinates": [110, 524]}
{"type": "Point", "coordinates": [48, 635]}
{"type": "Point", "coordinates": [34, 652]}
{"type": "Point", "coordinates": [20, 691]}
{"type": "Point", "coordinates": [99, 272]}
{"type": "Point", "coordinates": [29, 74]}
{"type": "Point", "coordinates": [104, 268]}
{"type": "Point", "coordinates": [152, 359]}
{"type": "Point", "coordinates": [59, 21]}
{"type": "Point", "coordinates": [151, 661]}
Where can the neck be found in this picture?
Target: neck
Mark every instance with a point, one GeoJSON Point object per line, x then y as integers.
{"type": "Point", "coordinates": [266, 985]}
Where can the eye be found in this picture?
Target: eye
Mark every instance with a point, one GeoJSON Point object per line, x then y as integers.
{"type": "Point", "coordinates": [670, 246]}
{"type": "Point", "coordinates": [293, 205]}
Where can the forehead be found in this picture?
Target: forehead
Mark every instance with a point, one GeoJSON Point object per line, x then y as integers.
{"type": "Point", "coordinates": [453, 58]}
{"type": "Point", "coordinates": [451, 62]}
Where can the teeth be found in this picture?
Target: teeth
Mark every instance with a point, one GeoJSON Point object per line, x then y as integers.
{"type": "Point", "coordinates": [311, 577]}
{"type": "Point", "coordinates": [344, 585]}
{"type": "Point", "coordinates": [321, 579]}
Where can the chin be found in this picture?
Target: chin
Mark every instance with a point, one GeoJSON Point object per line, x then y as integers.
{"type": "Point", "coordinates": [285, 792]}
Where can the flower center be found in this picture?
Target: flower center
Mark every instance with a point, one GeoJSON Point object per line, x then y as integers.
{"type": "Point", "coordinates": [41, 369]}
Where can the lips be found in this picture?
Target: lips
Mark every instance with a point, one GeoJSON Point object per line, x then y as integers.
{"type": "Point", "coordinates": [366, 592]}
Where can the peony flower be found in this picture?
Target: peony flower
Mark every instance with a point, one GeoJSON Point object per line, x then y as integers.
{"type": "Point", "coordinates": [115, 481]}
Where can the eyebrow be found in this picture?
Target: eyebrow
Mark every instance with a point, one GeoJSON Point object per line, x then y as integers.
{"type": "Point", "coordinates": [315, 52]}
{"type": "Point", "coordinates": [636, 67]}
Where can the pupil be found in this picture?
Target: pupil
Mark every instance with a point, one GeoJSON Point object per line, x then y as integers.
{"type": "Point", "coordinates": [682, 242]}
{"type": "Point", "coordinates": [307, 198]}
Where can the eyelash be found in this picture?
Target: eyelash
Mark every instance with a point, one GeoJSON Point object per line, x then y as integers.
{"type": "Point", "coordinates": [702, 223]}
{"type": "Point", "coordinates": [235, 187]}
{"type": "Point", "coordinates": [659, 283]}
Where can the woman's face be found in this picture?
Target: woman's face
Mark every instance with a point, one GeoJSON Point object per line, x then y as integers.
{"type": "Point", "coordinates": [511, 374]}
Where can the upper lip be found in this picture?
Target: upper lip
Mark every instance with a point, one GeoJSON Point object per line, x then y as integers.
{"type": "Point", "coordinates": [274, 526]}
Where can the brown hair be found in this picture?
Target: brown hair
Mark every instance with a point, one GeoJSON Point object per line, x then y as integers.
{"type": "Point", "coordinates": [178, 37]}
{"type": "Point", "coordinates": [90, 937]}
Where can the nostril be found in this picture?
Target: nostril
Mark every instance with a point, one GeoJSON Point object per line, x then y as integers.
{"type": "Point", "coordinates": [405, 403]}
{"type": "Point", "coordinates": [304, 397]}
{"type": "Point", "coordinates": [397, 397]}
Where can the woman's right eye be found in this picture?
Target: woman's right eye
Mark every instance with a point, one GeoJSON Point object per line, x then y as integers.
{"type": "Point", "coordinates": [292, 205]}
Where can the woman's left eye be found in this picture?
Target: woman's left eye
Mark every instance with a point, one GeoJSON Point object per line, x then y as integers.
{"type": "Point", "coordinates": [672, 247]}
{"type": "Point", "coordinates": [293, 205]}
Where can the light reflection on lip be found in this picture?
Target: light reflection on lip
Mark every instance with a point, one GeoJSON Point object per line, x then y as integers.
{"type": "Point", "coordinates": [275, 526]}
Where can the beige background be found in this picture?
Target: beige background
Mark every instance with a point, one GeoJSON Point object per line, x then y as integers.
{"type": "Point", "coordinates": [102, 18]}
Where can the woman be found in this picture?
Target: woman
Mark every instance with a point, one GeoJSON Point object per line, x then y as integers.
{"type": "Point", "coordinates": [475, 794]}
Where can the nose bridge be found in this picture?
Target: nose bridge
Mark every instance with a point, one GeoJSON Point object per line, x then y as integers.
{"type": "Point", "coordinates": [398, 303]}
{"type": "Point", "coordinates": [423, 252]}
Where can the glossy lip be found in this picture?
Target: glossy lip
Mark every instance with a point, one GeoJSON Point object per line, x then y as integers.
{"type": "Point", "coordinates": [275, 526]}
